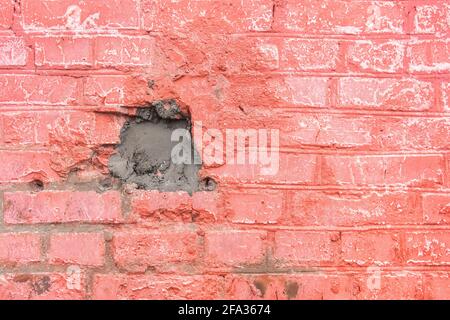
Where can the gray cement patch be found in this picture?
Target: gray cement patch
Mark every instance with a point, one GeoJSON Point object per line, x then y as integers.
{"type": "Point", "coordinates": [144, 154]}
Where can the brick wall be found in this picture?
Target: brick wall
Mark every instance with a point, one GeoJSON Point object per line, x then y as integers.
{"type": "Point", "coordinates": [358, 89]}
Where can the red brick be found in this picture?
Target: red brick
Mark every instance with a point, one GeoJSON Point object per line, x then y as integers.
{"type": "Point", "coordinates": [309, 55]}
{"type": "Point", "coordinates": [427, 248]}
{"type": "Point", "coordinates": [376, 285]}
{"type": "Point", "coordinates": [420, 170]}
{"type": "Point", "coordinates": [6, 13]}
{"type": "Point", "coordinates": [356, 208]}
{"type": "Point", "coordinates": [207, 206]}
{"type": "Point", "coordinates": [429, 56]}
{"type": "Point", "coordinates": [431, 18]}
{"type": "Point", "coordinates": [210, 16]}
{"type": "Point", "coordinates": [436, 208]}
{"type": "Point", "coordinates": [19, 248]}
{"type": "Point", "coordinates": [159, 205]}
{"type": "Point", "coordinates": [80, 15]}
{"type": "Point", "coordinates": [392, 94]}
{"type": "Point", "coordinates": [238, 173]}
{"type": "Point", "coordinates": [298, 91]}
{"type": "Point", "coordinates": [77, 248]}
{"type": "Point", "coordinates": [13, 52]}
{"type": "Point", "coordinates": [125, 51]}
{"type": "Point", "coordinates": [156, 287]}
{"type": "Point", "coordinates": [107, 129]}
{"type": "Point", "coordinates": [375, 56]}
{"type": "Point", "coordinates": [437, 286]}
{"type": "Point", "coordinates": [297, 248]}
{"type": "Point", "coordinates": [306, 286]}
{"type": "Point", "coordinates": [370, 248]}
{"type": "Point", "coordinates": [24, 166]}
{"type": "Point", "coordinates": [62, 207]}
{"type": "Point", "coordinates": [39, 286]}
{"type": "Point", "coordinates": [63, 52]}
{"type": "Point", "coordinates": [255, 206]}
{"type": "Point", "coordinates": [107, 90]}
{"type": "Point", "coordinates": [339, 17]}
{"type": "Point", "coordinates": [234, 248]}
{"type": "Point", "coordinates": [138, 250]}
{"type": "Point", "coordinates": [34, 89]}
{"type": "Point", "coordinates": [445, 87]}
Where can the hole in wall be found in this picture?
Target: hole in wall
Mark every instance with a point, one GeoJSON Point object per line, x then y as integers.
{"type": "Point", "coordinates": [144, 155]}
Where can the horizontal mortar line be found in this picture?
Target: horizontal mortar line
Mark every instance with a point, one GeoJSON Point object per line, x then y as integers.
{"type": "Point", "coordinates": [7, 107]}
{"type": "Point", "coordinates": [76, 73]}
{"type": "Point", "coordinates": [348, 74]}
{"type": "Point", "coordinates": [337, 36]}
{"type": "Point", "coordinates": [401, 227]}
{"type": "Point", "coordinates": [387, 188]}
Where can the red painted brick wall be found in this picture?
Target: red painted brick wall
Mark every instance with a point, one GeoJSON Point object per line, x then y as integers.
{"type": "Point", "coordinates": [360, 208]}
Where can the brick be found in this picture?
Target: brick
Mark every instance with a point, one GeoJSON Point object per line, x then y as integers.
{"type": "Point", "coordinates": [375, 56]}
{"type": "Point", "coordinates": [237, 173]}
{"type": "Point", "coordinates": [156, 287]}
{"type": "Point", "coordinates": [234, 248]}
{"type": "Point", "coordinates": [370, 248]}
{"type": "Point", "coordinates": [431, 18]}
{"type": "Point", "coordinates": [309, 55]}
{"type": "Point", "coordinates": [377, 285]}
{"type": "Point", "coordinates": [125, 51]}
{"type": "Point", "coordinates": [445, 87]}
{"type": "Point", "coordinates": [19, 248]}
{"type": "Point", "coordinates": [429, 56]}
{"type": "Point", "coordinates": [137, 251]}
{"type": "Point", "coordinates": [24, 166]}
{"type": "Point", "coordinates": [436, 208]}
{"type": "Point", "coordinates": [437, 286]}
{"type": "Point", "coordinates": [207, 206]}
{"type": "Point", "coordinates": [40, 286]}
{"type": "Point", "coordinates": [80, 15]}
{"type": "Point", "coordinates": [421, 170]}
{"type": "Point", "coordinates": [62, 207]}
{"type": "Point", "coordinates": [299, 248]}
{"type": "Point", "coordinates": [211, 16]}
{"type": "Point", "coordinates": [330, 208]}
{"type": "Point", "coordinates": [307, 92]}
{"type": "Point", "coordinates": [13, 52]}
{"type": "Point", "coordinates": [34, 89]}
{"type": "Point", "coordinates": [77, 248]}
{"type": "Point", "coordinates": [427, 248]}
{"type": "Point", "coordinates": [391, 94]}
{"type": "Point", "coordinates": [339, 17]}
{"type": "Point", "coordinates": [6, 13]}
{"type": "Point", "coordinates": [255, 206]}
{"type": "Point", "coordinates": [305, 286]}
{"type": "Point", "coordinates": [107, 90]}
{"type": "Point", "coordinates": [63, 52]}
{"type": "Point", "coordinates": [161, 205]}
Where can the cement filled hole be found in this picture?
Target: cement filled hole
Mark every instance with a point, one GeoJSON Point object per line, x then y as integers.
{"type": "Point", "coordinates": [144, 155]}
{"type": "Point", "coordinates": [36, 185]}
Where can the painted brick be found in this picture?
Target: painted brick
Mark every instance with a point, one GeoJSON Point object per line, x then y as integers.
{"type": "Point", "coordinates": [437, 286]}
{"type": "Point", "coordinates": [34, 89]}
{"type": "Point", "coordinates": [63, 52]}
{"type": "Point", "coordinates": [445, 87]}
{"type": "Point", "coordinates": [13, 52]}
{"type": "Point", "coordinates": [370, 248]}
{"type": "Point", "coordinates": [340, 17]}
{"type": "Point", "coordinates": [297, 248]}
{"type": "Point", "coordinates": [138, 250]}
{"type": "Point", "coordinates": [436, 208]}
{"type": "Point", "coordinates": [255, 206]}
{"type": "Point", "coordinates": [20, 248]}
{"type": "Point", "coordinates": [40, 286]}
{"type": "Point", "coordinates": [124, 51]}
{"type": "Point", "coordinates": [389, 94]}
{"type": "Point", "coordinates": [234, 248]}
{"type": "Point", "coordinates": [307, 92]}
{"type": "Point", "coordinates": [80, 15]}
{"type": "Point", "coordinates": [376, 56]}
{"type": "Point", "coordinates": [62, 207]}
{"type": "Point", "coordinates": [77, 248]}
{"type": "Point", "coordinates": [156, 287]}
{"type": "Point", "coordinates": [431, 18]}
{"type": "Point", "coordinates": [427, 248]}
{"type": "Point", "coordinates": [24, 166]}
{"type": "Point", "coordinates": [6, 13]}
{"type": "Point", "coordinates": [429, 56]}
{"type": "Point", "coordinates": [422, 170]}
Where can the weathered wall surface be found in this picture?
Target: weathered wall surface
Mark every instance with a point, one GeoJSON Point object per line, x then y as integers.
{"type": "Point", "coordinates": [359, 90]}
